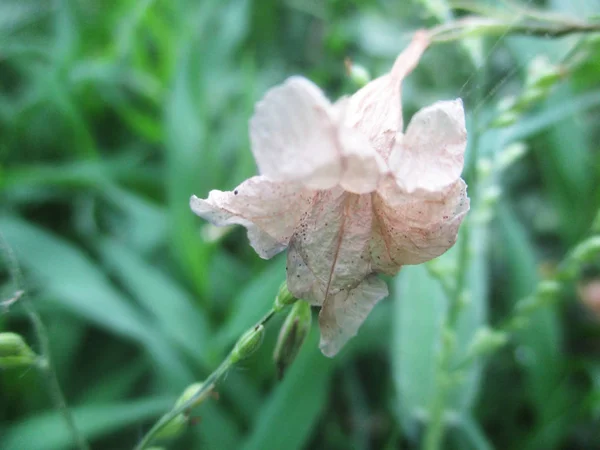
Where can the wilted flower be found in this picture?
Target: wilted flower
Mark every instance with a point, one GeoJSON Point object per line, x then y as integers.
{"type": "Point", "coordinates": [347, 192]}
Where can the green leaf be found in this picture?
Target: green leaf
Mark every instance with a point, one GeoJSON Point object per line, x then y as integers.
{"type": "Point", "coordinates": [66, 273]}
{"type": "Point", "coordinates": [252, 302]}
{"type": "Point", "coordinates": [47, 431]}
{"type": "Point", "coordinates": [114, 385]}
{"type": "Point", "coordinates": [474, 434]}
{"type": "Point", "coordinates": [420, 308]}
{"type": "Point", "coordinates": [540, 342]}
{"type": "Point", "coordinates": [172, 307]}
{"type": "Point", "coordinates": [187, 154]}
{"type": "Point", "coordinates": [295, 404]}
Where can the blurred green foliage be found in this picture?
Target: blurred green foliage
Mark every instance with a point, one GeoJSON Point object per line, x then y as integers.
{"type": "Point", "coordinates": [112, 113]}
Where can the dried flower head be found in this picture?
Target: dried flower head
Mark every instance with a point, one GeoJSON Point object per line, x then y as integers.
{"type": "Point", "coordinates": [347, 192]}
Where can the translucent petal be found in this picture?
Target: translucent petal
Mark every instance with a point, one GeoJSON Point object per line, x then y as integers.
{"type": "Point", "coordinates": [414, 228]}
{"type": "Point", "coordinates": [376, 109]}
{"type": "Point", "coordinates": [362, 167]}
{"type": "Point", "coordinates": [294, 137]}
{"type": "Point", "coordinates": [330, 249]}
{"type": "Point", "coordinates": [430, 156]}
{"type": "Point", "coordinates": [270, 211]}
{"type": "Point", "coordinates": [343, 313]}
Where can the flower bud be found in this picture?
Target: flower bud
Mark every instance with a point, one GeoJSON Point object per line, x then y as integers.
{"type": "Point", "coordinates": [189, 392]}
{"type": "Point", "coordinates": [542, 73]}
{"type": "Point", "coordinates": [510, 155]}
{"type": "Point", "coordinates": [484, 167]}
{"type": "Point", "coordinates": [176, 426]}
{"type": "Point", "coordinates": [506, 119]}
{"type": "Point", "coordinates": [587, 250]}
{"type": "Point", "coordinates": [14, 351]}
{"type": "Point", "coordinates": [486, 341]}
{"type": "Point", "coordinates": [292, 335]}
{"type": "Point", "coordinates": [530, 96]}
{"type": "Point", "coordinates": [284, 298]}
{"type": "Point", "coordinates": [491, 195]}
{"type": "Point", "coordinates": [247, 344]}
{"type": "Point", "coordinates": [548, 289]}
{"type": "Point", "coordinates": [358, 74]}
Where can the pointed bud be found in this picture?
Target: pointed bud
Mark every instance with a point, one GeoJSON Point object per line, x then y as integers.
{"type": "Point", "coordinates": [14, 352]}
{"type": "Point", "coordinates": [292, 335]}
{"type": "Point", "coordinates": [284, 298]}
{"type": "Point", "coordinates": [247, 344]}
{"type": "Point", "coordinates": [179, 422]}
{"type": "Point", "coordinates": [189, 392]}
{"type": "Point", "coordinates": [174, 428]}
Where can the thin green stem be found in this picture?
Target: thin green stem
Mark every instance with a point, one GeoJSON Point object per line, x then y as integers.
{"type": "Point", "coordinates": [207, 385]}
{"type": "Point", "coordinates": [483, 26]}
{"type": "Point", "coordinates": [568, 270]}
{"type": "Point", "coordinates": [268, 316]}
{"type": "Point", "coordinates": [45, 363]}
{"type": "Point", "coordinates": [436, 425]}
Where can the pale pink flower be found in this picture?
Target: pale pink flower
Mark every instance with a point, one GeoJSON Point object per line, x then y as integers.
{"type": "Point", "coordinates": [347, 192]}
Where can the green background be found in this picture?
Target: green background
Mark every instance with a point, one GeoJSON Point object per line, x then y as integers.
{"type": "Point", "coordinates": [113, 112]}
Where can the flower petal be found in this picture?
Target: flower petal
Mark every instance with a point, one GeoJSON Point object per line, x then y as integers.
{"type": "Point", "coordinates": [363, 168]}
{"type": "Point", "coordinates": [430, 156]}
{"type": "Point", "coordinates": [343, 313]}
{"type": "Point", "coordinates": [270, 211]}
{"type": "Point", "coordinates": [414, 228]}
{"type": "Point", "coordinates": [376, 109]}
{"type": "Point", "coordinates": [294, 137]}
{"type": "Point", "coordinates": [330, 249]}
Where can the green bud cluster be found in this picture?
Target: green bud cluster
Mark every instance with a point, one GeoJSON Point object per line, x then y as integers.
{"type": "Point", "coordinates": [510, 154]}
{"type": "Point", "coordinates": [542, 76]}
{"type": "Point", "coordinates": [247, 344]}
{"type": "Point", "coordinates": [284, 298]}
{"type": "Point", "coordinates": [486, 341]}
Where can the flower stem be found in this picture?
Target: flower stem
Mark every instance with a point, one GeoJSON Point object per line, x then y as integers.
{"type": "Point", "coordinates": [45, 363]}
{"type": "Point", "coordinates": [169, 416]}
{"type": "Point", "coordinates": [434, 434]}
{"type": "Point", "coordinates": [436, 424]}
{"type": "Point", "coordinates": [548, 290]}
{"type": "Point", "coordinates": [207, 385]}
{"type": "Point", "coordinates": [484, 26]}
